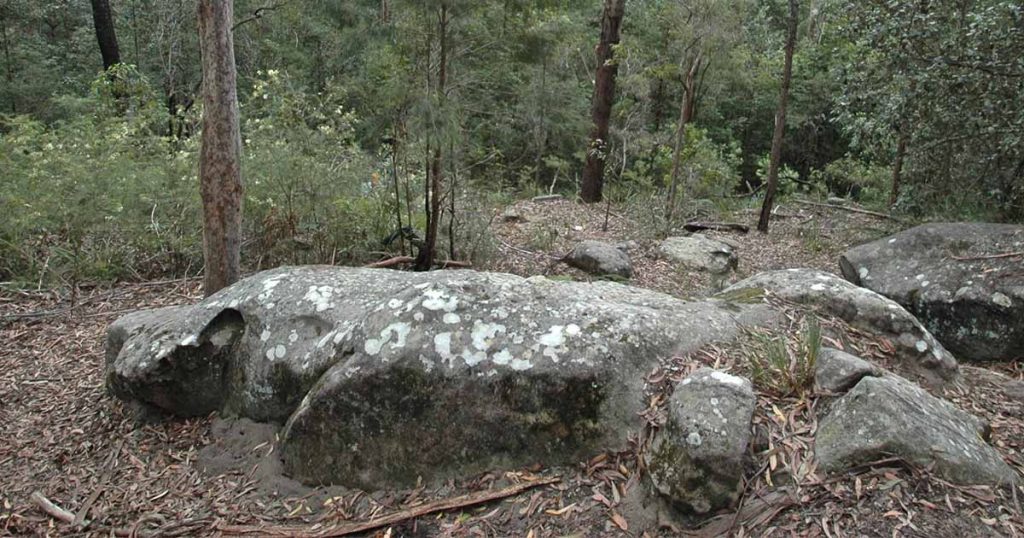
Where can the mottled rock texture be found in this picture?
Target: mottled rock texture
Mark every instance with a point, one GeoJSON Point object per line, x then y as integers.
{"type": "Point", "coordinates": [951, 278]}
{"type": "Point", "coordinates": [701, 253]}
{"type": "Point", "coordinates": [600, 259]}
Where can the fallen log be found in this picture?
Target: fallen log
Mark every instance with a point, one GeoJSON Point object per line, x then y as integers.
{"type": "Point", "coordinates": [399, 260]}
{"type": "Point", "coordinates": [852, 210]}
{"type": "Point", "coordinates": [716, 226]}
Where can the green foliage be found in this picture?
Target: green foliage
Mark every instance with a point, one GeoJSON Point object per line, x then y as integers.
{"type": "Point", "coordinates": [785, 367]}
{"type": "Point", "coordinates": [868, 183]}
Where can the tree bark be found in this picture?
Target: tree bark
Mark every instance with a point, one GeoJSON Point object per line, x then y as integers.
{"type": "Point", "coordinates": [103, 21]}
{"type": "Point", "coordinates": [897, 167]}
{"type": "Point", "coordinates": [601, 105]}
{"type": "Point", "coordinates": [686, 109]}
{"type": "Point", "coordinates": [426, 256]}
{"type": "Point", "coordinates": [780, 121]}
{"type": "Point", "coordinates": [220, 156]}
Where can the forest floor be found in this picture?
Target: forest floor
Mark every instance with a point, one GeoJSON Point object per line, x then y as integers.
{"type": "Point", "coordinates": [63, 437]}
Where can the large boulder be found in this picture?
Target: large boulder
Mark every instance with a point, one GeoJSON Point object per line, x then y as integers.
{"type": "Point", "coordinates": [859, 307]}
{"type": "Point", "coordinates": [383, 377]}
{"type": "Point", "coordinates": [701, 253]}
{"type": "Point", "coordinates": [889, 416]}
{"type": "Point", "coordinates": [954, 279]}
{"type": "Point", "coordinates": [838, 371]}
{"type": "Point", "coordinates": [600, 259]}
{"type": "Point", "coordinates": [697, 459]}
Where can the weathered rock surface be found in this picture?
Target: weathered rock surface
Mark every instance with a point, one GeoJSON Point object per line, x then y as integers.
{"type": "Point", "coordinates": [975, 307]}
{"type": "Point", "coordinates": [890, 416]}
{"type": "Point", "coordinates": [599, 258]}
{"type": "Point", "coordinates": [701, 253]}
{"type": "Point", "coordinates": [696, 461]}
{"type": "Point", "coordinates": [838, 371]}
{"type": "Point", "coordinates": [382, 377]}
{"type": "Point", "coordinates": [861, 308]}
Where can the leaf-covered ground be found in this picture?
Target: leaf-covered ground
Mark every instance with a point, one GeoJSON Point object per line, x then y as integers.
{"type": "Point", "coordinates": [65, 439]}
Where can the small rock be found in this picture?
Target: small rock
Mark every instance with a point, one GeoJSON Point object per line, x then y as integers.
{"type": "Point", "coordinates": [696, 461]}
{"type": "Point", "coordinates": [889, 416]}
{"type": "Point", "coordinates": [512, 214]}
{"type": "Point", "coordinates": [599, 258]}
{"type": "Point", "coordinates": [838, 371]}
{"type": "Point", "coordinates": [701, 253]}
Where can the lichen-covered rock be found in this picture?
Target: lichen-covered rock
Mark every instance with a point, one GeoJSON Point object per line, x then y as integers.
{"type": "Point", "coordinates": [696, 460]}
{"type": "Point", "coordinates": [600, 259]}
{"type": "Point", "coordinates": [889, 416]}
{"type": "Point", "coordinates": [701, 253]}
{"type": "Point", "coordinates": [861, 308]}
{"type": "Point", "coordinates": [838, 371]}
{"type": "Point", "coordinates": [945, 274]}
{"type": "Point", "coordinates": [382, 377]}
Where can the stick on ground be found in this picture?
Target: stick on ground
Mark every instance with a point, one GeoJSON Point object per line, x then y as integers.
{"type": "Point", "coordinates": [348, 528]}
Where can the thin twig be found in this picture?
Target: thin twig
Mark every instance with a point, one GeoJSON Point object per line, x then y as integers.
{"type": "Point", "coordinates": [989, 256]}
{"type": "Point", "coordinates": [852, 210]}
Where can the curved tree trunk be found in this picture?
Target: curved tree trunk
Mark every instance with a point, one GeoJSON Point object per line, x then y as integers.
{"type": "Point", "coordinates": [780, 121]}
{"type": "Point", "coordinates": [103, 20]}
{"type": "Point", "coordinates": [601, 105]}
{"type": "Point", "coordinates": [220, 156]}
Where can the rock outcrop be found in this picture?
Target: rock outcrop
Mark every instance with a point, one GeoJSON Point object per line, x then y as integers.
{"type": "Point", "coordinates": [383, 377]}
{"type": "Point", "coordinates": [838, 371]}
{"type": "Point", "coordinates": [701, 253]}
{"type": "Point", "coordinates": [697, 460]}
{"type": "Point", "coordinates": [889, 416]}
{"type": "Point", "coordinates": [859, 307]}
{"type": "Point", "coordinates": [600, 259]}
{"type": "Point", "coordinates": [951, 276]}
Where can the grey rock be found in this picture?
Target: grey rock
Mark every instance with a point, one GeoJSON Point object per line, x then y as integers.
{"type": "Point", "coordinates": [701, 253]}
{"type": "Point", "coordinates": [860, 307]}
{"type": "Point", "coordinates": [599, 258]}
{"type": "Point", "coordinates": [890, 416]}
{"type": "Point", "coordinates": [975, 307]}
{"type": "Point", "coordinates": [512, 214]}
{"type": "Point", "coordinates": [696, 461]}
{"type": "Point", "coordinates": [382, 377]}
{"type": "Point", "coordinates": [838, 371]}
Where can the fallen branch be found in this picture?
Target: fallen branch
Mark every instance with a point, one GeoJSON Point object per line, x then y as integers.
{"type": "Point", "coordinates": [716, 226]}
{"type": "Point", "coordinates": [989, 256]}
{"type": "Point", "coordinates": [349, 528]}
{"type": "Point", "coordinates": [852, 210]}
{"type": "Point", "coordinates": [51, 509]}
{"type": "Point", "coordinates": [399, 260]}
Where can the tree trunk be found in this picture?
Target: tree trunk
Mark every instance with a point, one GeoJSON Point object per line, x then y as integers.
{"type": "Point", "coordinates": [780, 122]}
{"type": "Point", "coordinates": [686, 109]}
{"type": "Point", "coordinates": [601, 104]}
{"type": "Point", "coordinates": [436, 181]}
{"type": "Point", "coordinates": [220, 156]}
{"type": "Point", "coordinates": [897, 167]}
{"type": "Point", "coordinates": [103, 20]}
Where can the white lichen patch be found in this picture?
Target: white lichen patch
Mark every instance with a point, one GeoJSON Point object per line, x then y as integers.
{"type": "Point", "coordinates": [394, 303]}
{"type": "Point", "coordinates": [320, 296]}
{"type": "Point", "coordinates": [450, 318]}
{"type": "Point", "coordinates": [443, 347]}
{"type": "Point", "coordinates": [277, 352]}
{"type": "Point", "coordinates": [1002, 300]}
{"type": "Point", "coordinates": [818, 287]}
{"type": "Point", "coordinates": [435, 299]}
{"type": "Point", "coordinates": [693, 439]}
{"type": "Point", "coordinates": [502, 358]}
{"type": "Point", "coordinates": [483, 334]}
{"type": "Point", "coordinates": [265, 335]}
{"type": "Point", "coordinates": [293, 337]}
{"type": "Point", "coordinates": [921, 346]}
{"type": "Point", "coordinates": [190, 340]}
{"type": "Point", "coordinates": [553, 338]}
{"type": "Point", "coordinates": [727, 379]}
{"type": "Point", "coordinates": [521, 364]}
{"type": "Point", "coordinates": [400, 330]}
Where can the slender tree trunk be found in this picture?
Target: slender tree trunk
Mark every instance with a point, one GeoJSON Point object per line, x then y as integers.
{"type": "Point", "coordinates": [220, 156]}
{"type": "Point", "coordinates": [103, 20]}
{"type": "Point", "coordinates": [686, 110]}
{"type": "Point", "coordinates": [592, 183]}
{"type": "Point", "coordinates": [780, 122]}
{"type": "Point", "coordinates": [398, 196]}
{"type": "Point", "coordinates": [436, 182]}
{"type": "Point", "coordinates": [8, 62]}
{"type": "Point", "coordinates": [897, 167]}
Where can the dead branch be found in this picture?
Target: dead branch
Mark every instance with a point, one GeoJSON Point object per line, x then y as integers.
{"type": "Point", "coordinates": [51, 509]}
{"type": "Point", "coordinates": [716, 226]}
{"type": "Point", "coordinates": [399, 260]}
{"type": "Point", "coordinates": [852, 210]}
{"type": "Point", "coordinates": [349, 528]}
{"type": "Point", "coordinates": [989, 256]}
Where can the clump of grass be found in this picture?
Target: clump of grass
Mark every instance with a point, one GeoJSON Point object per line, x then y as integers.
{"type": "Point", "coordinates": [784, 369]}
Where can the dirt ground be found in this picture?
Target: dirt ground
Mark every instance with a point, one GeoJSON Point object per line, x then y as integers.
{"type": "Point", "coordinates": [63, 438]}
